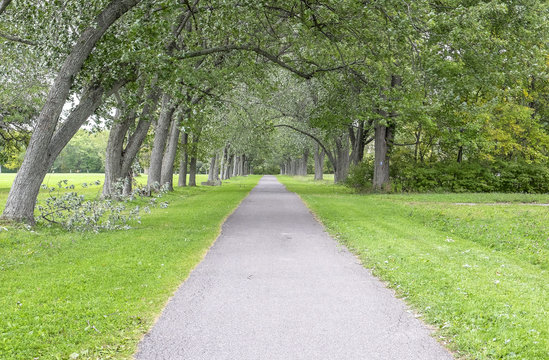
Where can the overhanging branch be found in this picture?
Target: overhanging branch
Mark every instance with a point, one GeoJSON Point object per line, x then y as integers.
{"type": "Point", "coordinates": [3, 5]}
{"type": "Point", "coordinates": [328, 152]}
{"type": "Point", "coordinates": [273, 58]}
{"type": "Point", "coordinates": [17, 39]}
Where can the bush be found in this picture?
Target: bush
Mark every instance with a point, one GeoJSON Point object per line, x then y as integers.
{"type": "Point", "coordinates": [361, 175]}
{"type": "Point", "coordinates": [472, 176]}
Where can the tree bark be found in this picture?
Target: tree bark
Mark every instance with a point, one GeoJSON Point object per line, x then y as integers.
{"type": "Point", "coordinates": [235, 165]}
{"type": "Point", "coordinates": [183, 160]}
{"type": "Point", "coordinates": [319, 163]}
{"type": "Point", "coordinates": [384, 135]}
{"type": "Point", "coordinates": [194, 153]}
{"type": "Point", "coordinates": [302, 166]}
{"type": "Point", "coordinates": [119, 160]}
{"type": "Point", "coordinates": [166, 177]}
{"type": "Point", "coordinates": [381, 161]}
{"type": "Point", "coordinates": [229, 169]}
{"type": "Point", "coordinates": [25, 188]}
{"type": "Point", "coordinates": [243, 165]}
{"type": "Point", "coordinates": [159, 144]}
{"type": "Point", "coordinates": [3, 5]}
{"type": "Point", "coordinates": [357, 143]}
{"type": "Point", "coordinates": [192, 171]}
{"type": "Point", "coordinates": [114, 152]}
{"type": "Point", "coordinates": [341, 171]}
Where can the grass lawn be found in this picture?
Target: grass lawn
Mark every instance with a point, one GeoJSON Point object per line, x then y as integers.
{"type": "Point", "coordinates": [478, 271]}
{"type": "Point", "coordinates": [92, 296]}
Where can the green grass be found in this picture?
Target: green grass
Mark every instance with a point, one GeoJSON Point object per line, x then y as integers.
{"type": "Point", "coordinates": [478, 273]}
{"type": "Point", "coordinates": [95, 295]}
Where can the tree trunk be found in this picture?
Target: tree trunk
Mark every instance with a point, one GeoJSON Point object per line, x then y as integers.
{"type": "Point", "coordinates": [194, 153]}
{"type": "Point", "coordinates": [166, 177]}
{"type": "Point", "coordinates": [136, 139]}
{"type": "Point", "coordinates": [341, 170]}
{"type": "Point", "coordinates": [192, 172]}
{"type": "Point", "coordinates": [224, 161]}
{"type": "Point", "coordinates": [243, 165]}
{"type": "Point", "coordinates": [302, 166]}
{"type": "Point", "coordinates": [229, 169]}
{"type": "Point", "coordinates": [319, 163]}
{"type": "Point", "coordinates": [183, 160]}
{"type": "Point", "coordinates": [159, 144]}
{"type": "Point", "coordinates": [39, 155]}
{"type": "Point", "coordinates": [383, 145]}
{"type": "Point", "coordinates": [212, 172]}
{"type": "Point", "coordinates": [236, 164]}
{"type": "Point", "coordinates": [114, 153]}
{"type": "Point", "coordinates": [23, 194]}
{"type": "Point", "coordinates": [381, 163]}
{"type": "Point", "coordinates": [357, 143]}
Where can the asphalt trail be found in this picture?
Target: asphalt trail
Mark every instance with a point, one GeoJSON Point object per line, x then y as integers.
{"type": "Point", "coordinates": [276, 286]}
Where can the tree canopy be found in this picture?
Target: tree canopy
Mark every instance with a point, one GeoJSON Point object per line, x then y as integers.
{"type": "Point", "coordinates": [390, 84]}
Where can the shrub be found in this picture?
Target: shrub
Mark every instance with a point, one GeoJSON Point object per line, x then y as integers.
{"type": "Point", "coordinates": [361, 175]}
{"type": "Point", "coordinates": [472, 176]}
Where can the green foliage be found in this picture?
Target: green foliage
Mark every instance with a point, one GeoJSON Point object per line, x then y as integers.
{"type": "Point", "coordinates": [84, 153]}
{"type": "Point", "coordinates": [476, 272]}
{"type": "Point", "coordinates": [360, 176]}
{"type": "Point", "coordinates": [471, 176]}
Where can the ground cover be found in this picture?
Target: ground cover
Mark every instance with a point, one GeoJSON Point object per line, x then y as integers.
{"type": "Point", "coordinates": [73, 295]}
{"type": "Point", "coordinates": [477, 273]}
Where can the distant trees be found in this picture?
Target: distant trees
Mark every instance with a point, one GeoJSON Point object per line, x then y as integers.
{"type": "Point", "coordinates": [84, 153]}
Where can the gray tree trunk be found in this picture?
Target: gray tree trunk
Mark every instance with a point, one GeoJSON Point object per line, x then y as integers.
{"type": "Point", "coordinates": [114, 152]}
{"type": "Point", "coordinates": [194, 153]}
{"type": "Point", "coordinates": [212, 173]}
{"type": "Point", "coordinates": [235, 165]}
{"type": "Point", "coordinates": [242, 165]}
{"type": "Point", "coordinates": [39, 157]}
{"type": "Point", "coordinates": [381, 161]}
{"type": "Point", "coordinates": [119, 160]}
{"type": "Point", "coordinates": [319, 163]}
{"type": "Point", "coordinates": [223, 164]}
{"type": "Point", "coordinates": [341, 170]}
{"type": "Point", "coordinates": [229, 169]}
{"type": "Point", "coordinates": [182, 181]}
{"type": "Point", "coordinates": [383, 146]}
{"type": "Point", "coordinates": [166, 177]}
{"type": "Point", "coordinates": [357, 143]}
{"type": "Point", "coordinates": [302, 164]}
{"type": "Point", "coordinates": [192, 172]}
{"type": "Point", "coordinates": [159, 144]}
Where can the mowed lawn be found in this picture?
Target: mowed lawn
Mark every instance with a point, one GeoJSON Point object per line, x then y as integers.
{"type": "Point", "coordinates": [93, 296]}
{"type": "Point", "coordinates": [473, 265]}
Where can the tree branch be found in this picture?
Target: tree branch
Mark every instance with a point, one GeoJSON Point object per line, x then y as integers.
{"type": "Point", "coordinates": [17, 39]}
{"type": "Point", "coordinates": [328, 153]}
{"type": "Point", "coordinates": [273, 58]}
{"type": "Point", "coordinates": [3, 5]}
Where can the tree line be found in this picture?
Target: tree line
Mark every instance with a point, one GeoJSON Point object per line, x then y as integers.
{"type": "Point", "coordinates": [180, 80]}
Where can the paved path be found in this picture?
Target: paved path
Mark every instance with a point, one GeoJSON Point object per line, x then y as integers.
{"type": "Point", "coordinates": [276, 286]}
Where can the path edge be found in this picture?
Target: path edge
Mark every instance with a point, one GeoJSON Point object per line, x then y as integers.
{"type": "Point", "coordinates": [433, 330]}
{"type": "Point", "coordinates": [206, 251]}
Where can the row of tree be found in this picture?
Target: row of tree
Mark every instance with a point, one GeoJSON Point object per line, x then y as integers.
{"type": "Point", "coordinates": [216, 78]}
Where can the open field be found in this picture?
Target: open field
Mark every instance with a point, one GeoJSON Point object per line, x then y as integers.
{"type": "Point", "coordinates": [89, 296]}
{"type": "Point", "coordinates": [478, 273]}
